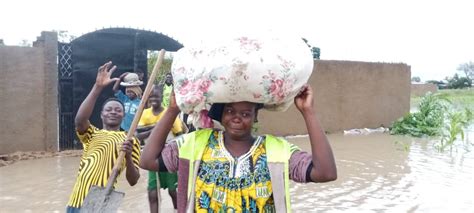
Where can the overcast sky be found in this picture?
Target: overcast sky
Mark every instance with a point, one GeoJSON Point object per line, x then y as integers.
{"type": "Point", "coordinates": [433, 37]}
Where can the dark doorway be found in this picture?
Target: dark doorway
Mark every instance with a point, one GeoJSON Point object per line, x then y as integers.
{"type": "Point", "coordinates": [127, 48]}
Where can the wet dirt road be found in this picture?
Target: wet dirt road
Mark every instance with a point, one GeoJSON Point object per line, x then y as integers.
{"type": "Point", "coordinates": [376, 173]}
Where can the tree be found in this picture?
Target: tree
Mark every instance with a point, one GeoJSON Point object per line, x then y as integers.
{"type": "Point", "coordinates": [468, 69]}
{"type": "Point", "coordinates": [165, 66]}
{"type": "Point", "coordinates": [416, 79]}
{"type": "Point", "coordinates": [457, 82]}
{"type": "Point", "coordinates": [306, 41]}
{"type": "Point", "coordinates": [314, 50]}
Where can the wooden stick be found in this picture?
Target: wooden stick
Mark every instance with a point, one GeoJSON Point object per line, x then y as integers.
{"type": "Point", "coordinates": [136, 119]}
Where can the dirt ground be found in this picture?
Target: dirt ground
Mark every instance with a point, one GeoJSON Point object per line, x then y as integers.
{"type": "Point", "coordinates": [11, 158]}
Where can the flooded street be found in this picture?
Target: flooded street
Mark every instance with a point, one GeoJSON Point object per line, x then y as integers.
{"type": "Point", "coordinates": [376, 173]}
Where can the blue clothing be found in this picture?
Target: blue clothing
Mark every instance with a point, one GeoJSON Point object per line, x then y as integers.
{"type": "Point", "coordinates": [131, 107]}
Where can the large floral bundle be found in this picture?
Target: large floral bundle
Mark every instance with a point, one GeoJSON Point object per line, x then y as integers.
{"type": "Point", "coordinates": [261, 69]}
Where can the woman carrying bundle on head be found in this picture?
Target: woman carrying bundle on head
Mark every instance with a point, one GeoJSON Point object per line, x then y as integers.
{"type": "Point", "coordinates": [234, 169]}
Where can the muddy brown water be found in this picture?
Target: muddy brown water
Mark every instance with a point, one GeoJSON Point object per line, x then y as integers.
{"type": "Point", "coordinates": [375, 174]}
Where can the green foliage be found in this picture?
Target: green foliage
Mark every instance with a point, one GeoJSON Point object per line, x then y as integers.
{"type": "Point", "coordinates": [436, 116]}
{"type": "Point", "coordinates": [427, 121]}
{"type": "Point", "coordinates": [164, 69]}
{"type": "Point", "coordinates": [314, 50]}
{"type": "Point", "coordinates": [457, 82]}
{"type": "Point", "coordinates": [457, 121]}
{"type": "Point", "coordinates": [306, 41]}
{"type": "Point", "coordinates": [416, 79]}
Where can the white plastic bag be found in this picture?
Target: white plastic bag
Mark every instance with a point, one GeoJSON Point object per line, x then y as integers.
{"type": "Point", "coordinates": [266, 68]}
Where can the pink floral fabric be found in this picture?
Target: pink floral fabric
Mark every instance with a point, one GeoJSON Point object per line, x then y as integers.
{"type": "Point", "coordinates": [261, 69]}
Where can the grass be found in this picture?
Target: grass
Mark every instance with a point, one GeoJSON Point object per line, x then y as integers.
{"type": "Point", "coordinates": [460, 98]}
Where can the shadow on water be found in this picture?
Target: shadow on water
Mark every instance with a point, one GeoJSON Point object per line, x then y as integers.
{"type": "Point", "coordinates": [375, 174]}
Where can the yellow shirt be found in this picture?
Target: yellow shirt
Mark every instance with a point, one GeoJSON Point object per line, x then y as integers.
{"type": "Point", "coordinates": [101, 149]}
{"type": "Point", "coordinates": [148, 119]}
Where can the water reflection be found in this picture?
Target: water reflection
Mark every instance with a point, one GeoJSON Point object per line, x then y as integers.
{"type": "Point", "coordinates": [375, 174]}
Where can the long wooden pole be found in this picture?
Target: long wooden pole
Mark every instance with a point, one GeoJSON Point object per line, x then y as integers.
{"type": "Point", "coordinates": [136, 119]}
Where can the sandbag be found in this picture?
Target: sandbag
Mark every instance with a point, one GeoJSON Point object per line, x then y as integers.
{"type": "Point", "coordinates": [265, 68]}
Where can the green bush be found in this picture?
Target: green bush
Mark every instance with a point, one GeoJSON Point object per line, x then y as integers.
{"type": "Point", "coordinates": [436, 116]}
{"type": "Point", "coordinates": [427, 121]}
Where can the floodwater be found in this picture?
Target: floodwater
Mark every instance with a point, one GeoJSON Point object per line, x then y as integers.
{"type": "Point", "coordinates": [376, 173]}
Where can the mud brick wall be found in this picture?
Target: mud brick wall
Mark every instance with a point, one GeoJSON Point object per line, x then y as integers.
{"type": "Point", "coordinates": [422, 89]}
{"type": "Point", "coordinates": [348, 95]}
{"type": "Point", "coordinates": [28, 94]}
